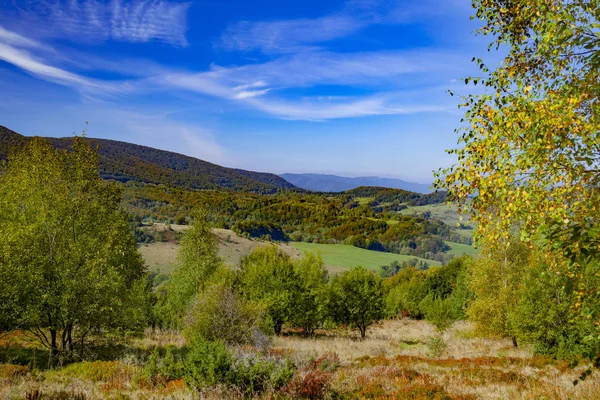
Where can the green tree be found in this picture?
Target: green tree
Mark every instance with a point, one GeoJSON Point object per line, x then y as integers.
{"type": "Point", "coordinates": [544, 315]}
{"type": "Point", "coordinates": [220, 313]}
{"type": "Point", "coordinates": [68, 259]}
{"type": "Point", "coordinates": [267, 275]}
{"type": "Point", "coordinates": [356, 299]}
{"type": "Point", "coordinates": [496, 278]}
{"type": "Point", "coordinates": [529, 151]}
{"type": "Point", "coordinates": [308, 311]}
{"type": "Point", "coordinates": [197, 260]}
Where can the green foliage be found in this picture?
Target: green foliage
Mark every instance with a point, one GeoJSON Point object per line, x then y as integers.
{"type": "Point", "coordinates": [67, 257]}
{"type": "Point", "coordinates": [355, 298]}
{"type": "Point", "coordinates": [220, 313]}
{"type": "Point", "coordinates": [411, 292]}
{"type": "Point", "coordinates": [528, 153]}
{"type": "Point", "coordinates": [267, 275]}
{"type": "Point", "coordinates": [160, 370]}
{"type": "Point", "coordinates": [437, 346]}
{"type": "Point", "coordinates": [544, 315]}
{"type": "Point", "coordinates": [212, 363]}
{"type": "Point", "coordinates": [259, 229]}
{"type": "Point", "coordinates": [439, 312]}
{"type": "Point", "coordinates": [197, 260]}
{"type": "Point", "coordinates": [308, 309]}
{"type": "Point", "coordinates": [208, 364]}
{"type": "Point", "coordinates": [496, 277]}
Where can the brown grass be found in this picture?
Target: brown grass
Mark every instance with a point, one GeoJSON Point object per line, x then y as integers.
{"type": "Point", "coordinates": [162, 256]}
{"type": "Point", "coordinates": [392, 362]}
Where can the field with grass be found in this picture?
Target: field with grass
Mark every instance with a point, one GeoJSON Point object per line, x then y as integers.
{"type": "Point", "coordinates": [445, 212]}
{"type": "Point", "coordinates": [458, 249]}
{"type": "Point", "coordinates": [345, 256]}
{"type": "Point", "coordinates": [394, 361]}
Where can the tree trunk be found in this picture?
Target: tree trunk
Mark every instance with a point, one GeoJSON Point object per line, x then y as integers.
{"type": "Point", "coordinates": [53, 346]}
{"type": "Point", "coordinates": [514, 340]}
{"type": "Point", "coordinates": [70, 338]}
{"type": "Point", "coordinates": [363, 331]}
{"type": "Point", "coordinates": [277, 327]}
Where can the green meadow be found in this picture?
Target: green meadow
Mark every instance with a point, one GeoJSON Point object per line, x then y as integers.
{"type": "Point", "coordinates": [345, 256]}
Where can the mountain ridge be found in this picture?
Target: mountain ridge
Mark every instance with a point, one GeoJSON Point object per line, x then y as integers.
{"type": "Point", "coordinates": [123, 161]}
{"type": "Point", "coordinates": [335, 183]}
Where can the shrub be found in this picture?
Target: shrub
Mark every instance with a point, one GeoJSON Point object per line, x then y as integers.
{"type": "Point", "coordinates": [211, 364]}
{"type": "Point", "coordinates": [439, 312]}
{"type": "Point", "coordinates": [208, 364]}
{"type": "Point", "coordinates": [436, 346]}
{"type": "Point", "coordinates": [314, 380]}
{"type": "Point", "coordinates": [220, 313]}
{"type": "Point", "coordinates": [253, 374]}
{"type": "Point", "coordinates": [13, 370]}
{"type": "Point", "coordinates": [160, 370]}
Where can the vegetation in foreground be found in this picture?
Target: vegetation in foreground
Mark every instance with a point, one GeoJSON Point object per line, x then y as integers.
{"type": "Point", "coordinates": [393, 361]}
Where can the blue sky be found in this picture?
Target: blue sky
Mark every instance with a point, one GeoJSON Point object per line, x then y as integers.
{"type": "Point", "coordinates": [354, 88]}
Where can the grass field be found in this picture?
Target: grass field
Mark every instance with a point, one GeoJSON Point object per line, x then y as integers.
{"type": "Point", "coordinates": [345, 256]}
{"type": "Point", "coordinates": [446, 212]}
{"type": "Point", "coordinates": [458, 249]}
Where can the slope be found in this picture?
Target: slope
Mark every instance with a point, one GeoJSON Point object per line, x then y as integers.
{"type": "Point", "coordinates": [124, 162]}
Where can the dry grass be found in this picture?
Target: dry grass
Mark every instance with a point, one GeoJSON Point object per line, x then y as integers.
{"type": "Point", "coordinates": [393, 362]}
{"type": "Point", "coordinates": [395, 357]}
{"type": "Point", "coordinates": [161, 256]}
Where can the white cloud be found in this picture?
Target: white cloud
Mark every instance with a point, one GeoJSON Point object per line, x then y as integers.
{"type": "Point", "coordinates": [13, 38]}
{"type": "Point", "coordinates": [16, 50]}
{"type": "Point", "coordinates": [286, 36]}
{"type": "Point", "coordinates": [91, 20]}
{"type": "Point", "coordinates": [263, 86]}
{"type": "Point", "coordinates": [321, 110]}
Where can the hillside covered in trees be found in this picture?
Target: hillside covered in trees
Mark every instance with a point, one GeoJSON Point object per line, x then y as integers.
{"type": "Point", "coordinates": [125, 162]}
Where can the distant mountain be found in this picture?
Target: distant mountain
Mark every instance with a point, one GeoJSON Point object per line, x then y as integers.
{"type": "Point", "coordinates": [333, 183]}
{"type": "Point", "coordinates": [124, 162]}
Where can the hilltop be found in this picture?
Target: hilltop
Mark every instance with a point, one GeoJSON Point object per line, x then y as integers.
{"type": "Point", "coordinates": [334, 183]}
{"type": "Point", "coordinates": [125, 162]}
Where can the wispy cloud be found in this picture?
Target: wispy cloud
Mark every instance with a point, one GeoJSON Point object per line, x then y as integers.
{"type": "Point", "coordinates": [264, 86]}
{"type": "Point", "coordinates": [16, 50]}
{"type": "Point", "coordinates": [287, 36]}
{"type": "Point", "coordinates": [90, 20]}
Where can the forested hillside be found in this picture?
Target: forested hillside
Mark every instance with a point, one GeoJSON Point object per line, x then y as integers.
{"type": "Point", "coordinates": [125, 162]}
{"type": "Point", "coordinates": [365, 217]}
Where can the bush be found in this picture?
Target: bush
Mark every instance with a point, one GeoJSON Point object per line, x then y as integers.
{"type": "Point", "coordinates": [314, 380]}
{"type": "Point", "coordinates": [211, 364]}
{"type": "Point", "coordinates": [253, 374]}
{"type": "Point", "coordinates": [208, 364]}
{"type": "Point", "coordinates": [160, 370]}
{"type": "Point", "coordinates": [220, 313]}
{"type": "Point", "coordinates": [436, 346]}
{"type": "Point", "coordinates": [439, 312]}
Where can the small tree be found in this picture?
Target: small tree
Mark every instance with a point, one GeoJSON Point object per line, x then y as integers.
{"type": "Point", "coordinates": [496, 277]}
{"type": "Point", "coordinates": [356, 299]}
{"type": "Point", "coordinates": [308, 310]}
{"type": "Point", "coordinates": [68, 259]}
{"type": "Point", "coordinates": [220, 313]}
{"type": "Point", "coordinates": [197, 260]}
{"type": "Point", "coordinates": [267, 275]}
